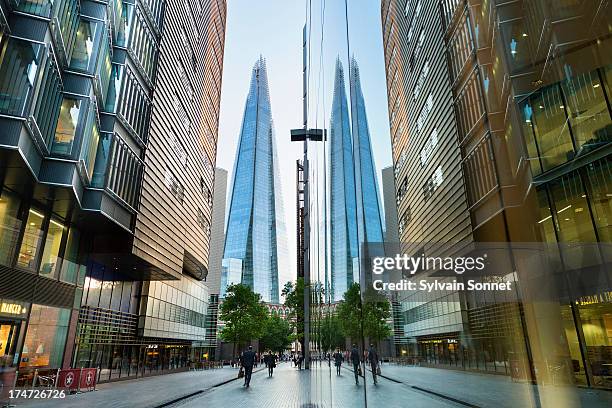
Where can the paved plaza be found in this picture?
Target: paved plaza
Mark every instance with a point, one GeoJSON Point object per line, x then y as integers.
{"type": "Point", "coordinates": [401, 386]}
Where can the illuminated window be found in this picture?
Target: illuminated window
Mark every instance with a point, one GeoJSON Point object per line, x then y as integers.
{"type": "Point", "coordinates": [32, 240]}
{"type": "Point", "coordinates": [50, 256]}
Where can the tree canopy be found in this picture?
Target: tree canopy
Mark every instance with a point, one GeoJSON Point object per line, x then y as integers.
{"type": "Point", "coordinates": [277, 334]}
{"type": "Point", "coordinates": [372, 315]}
{"type": "Point", "coordinates": [243, 315]}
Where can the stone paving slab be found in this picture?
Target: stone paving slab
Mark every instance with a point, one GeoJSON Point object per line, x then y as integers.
{"type": "Point", "coordinates": [487, 390]}
{"type": "Point", "coordinates": [317, 388]}
{"type": "Point", "coordinates": [143, 392]}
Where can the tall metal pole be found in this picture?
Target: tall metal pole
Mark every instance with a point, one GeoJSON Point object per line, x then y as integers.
{"type": "Point", "coordinates": [306, 206]}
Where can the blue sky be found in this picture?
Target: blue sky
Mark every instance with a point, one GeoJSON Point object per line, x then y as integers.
{"type": "Point", "coordinates": [273, 28]}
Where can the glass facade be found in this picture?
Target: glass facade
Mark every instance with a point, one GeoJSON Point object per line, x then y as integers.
{"type": "Point", "coordinates": [343, 199]}
{"type": "Point", "coordinates": [255, 235]}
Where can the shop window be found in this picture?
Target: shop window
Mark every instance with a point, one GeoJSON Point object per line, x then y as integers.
{"type": "Point", "coordinates": [10, 225]}
{"type": "Point", "coordinates": [32, 240]}
{"type": "Point", "coordinates": [45, 337]}
{"type": "Point", "coordinates": [599, 174]}
{"type": "Point", "coordinates": [49, 264]}
{"type": "Point", "coordinates": [597, 328]}
{"type": "Point", "coordinates": [19, 62]}
{"type": "Point", "coordinates": [588, 111]}
{"type": "Point", "coordinates": [85, 46]}
{"type": "Point", "coordinates": [67, 124]}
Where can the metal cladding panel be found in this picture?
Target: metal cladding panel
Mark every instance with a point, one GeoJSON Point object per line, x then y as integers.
{"type": "Point", "coordinates": [176, 201]}
{"type": "Point", "coordinates": [28, 28]}
{"type": "Point", "coordinates": [426, 154]}
{"type": "Point", "coordinates": [28, 287]}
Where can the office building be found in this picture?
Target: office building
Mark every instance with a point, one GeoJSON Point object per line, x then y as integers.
{"type": "Point", "coordinates": [529, 86]}
{"type": "Point", "coordinates": [343, 200]}
{"type": "Point", "coordinates": [388, 187]}
{"type": "Point", "coordinates": [255, 238]}
{"type": "Point", "coordinates": [104, 193]}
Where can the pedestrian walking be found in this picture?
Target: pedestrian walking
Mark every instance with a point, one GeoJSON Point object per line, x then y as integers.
{"type": "Point", "coordinates": [300, 359]}
{"type": "Point", "coordinates": [270, 360]}
{"type": "Point", "coordinates": [356, 360]}
{"type": "Point", "coordinates": [373, 360]}
{"type": "Point", "coordinates": [338, 359]}
{"type": "Point", "coordinates": [247, 360]}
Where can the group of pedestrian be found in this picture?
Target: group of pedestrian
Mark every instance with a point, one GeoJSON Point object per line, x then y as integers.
{"type": "Point", "coordinates": [355, 358]}
{"type": "Point", "coordinates": [249, 358]}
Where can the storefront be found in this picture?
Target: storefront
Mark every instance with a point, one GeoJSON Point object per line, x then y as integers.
{"type": "Point", "coordinates": [588, 329]}
{"type": "Point", "coordinates": [13, 315]}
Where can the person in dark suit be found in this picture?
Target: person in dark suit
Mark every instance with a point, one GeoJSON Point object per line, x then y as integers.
{"type": "Point", "coordinates": [338, 359]}
{"type": "Point", "coordinates": [270, 360]}
{"type": "Point", "coordinates": [356, 360]}
{"type": "Point", "coordinates": [373, 360]}
{"type": "Point", "coordinates": [248, 361]}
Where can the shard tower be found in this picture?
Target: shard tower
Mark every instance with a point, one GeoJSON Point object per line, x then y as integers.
{"type": "Point", "coordinates": [354, 198]}
{"type": "Point", "coordinates": [343, 200]}
{"type": "Point", "coordinates": [255, 241]}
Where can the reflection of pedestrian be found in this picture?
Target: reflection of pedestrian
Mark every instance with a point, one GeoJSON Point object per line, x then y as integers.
{"type": "Point", "coordinates": [355, 359]}
{"type": "Point", "coordinates": [373, 360]}
{"type": "Point", "coordinates": [300, 360]}
{"type": "Point", "coordinates": [338, 359]}
{"type": "Point", "coordinates": [248, 360]}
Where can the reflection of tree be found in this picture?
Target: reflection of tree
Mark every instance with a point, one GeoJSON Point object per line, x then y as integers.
{"type": "Point", "coordinates": [369, 318]}
{"type": "Point", "coordinates": [329, 334]}
{"type": "Point", "coordinates": [294, 299]}
{"type": "Point", "coordinates": [243, 314]}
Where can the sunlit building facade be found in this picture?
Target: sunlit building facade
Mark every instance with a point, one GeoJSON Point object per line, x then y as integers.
{"type": "Point", "coordinates": [255, 238]}
{"type": "Point", "coordinates": [529, 89]}
{"type": "Point", "coordinates": [83, 196]}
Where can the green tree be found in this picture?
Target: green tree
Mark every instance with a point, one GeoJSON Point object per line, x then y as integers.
{"type": "Point", "coordinates": [332, 336]}
{"type": "Point", "coordinates": [371, 315]}
{"type": "Point", "coordinates": [277, 334]}
{"type": "Point", "coordinates": [243, 314]}
{"type": "Point", "coordinates": [294, 299]}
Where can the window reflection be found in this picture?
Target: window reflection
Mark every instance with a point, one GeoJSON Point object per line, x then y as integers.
{"type": "Point", "coordinates": [82, 54]}
{"type": "Point", "coordinates": [573, 221]}
{"type": "Point", "coordinates": [32, 239]}
{"type": "Point", "coordinates": [600, 180]}
{"type": "Point", "coordinates": [588, 111]}
{"type": "Point", "coordinates": [70, 265]}
{"type": "Point", "coordinates": [50, 257]}
{"type": "Point", "coordinates": [19, 61]}
{"type": "Point", "coordinates": [66, 126]}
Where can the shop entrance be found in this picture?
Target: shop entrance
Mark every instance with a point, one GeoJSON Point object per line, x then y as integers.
{"type": "Point", "coordinates": [9, 333]}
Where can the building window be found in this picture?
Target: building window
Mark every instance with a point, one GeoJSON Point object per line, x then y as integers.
{"type": "Point", "coordinates": [86, 45]}
{"type": "Point", "coordinates": [10, 225]}
{"type": "Point", "coordinates": [32, 240]}
{"type": "Point", "coordinates": [573, 220]}
{"type": "Point", "coordinates": [19, 62]}
{"type": "Point", "coordinates": [49, 264]}
{"type": "Point", "coordinates": [67, 124]}
{"type": "Point", "coordinates": [599, 175]}
{"type": "Point", "coordinates": [587, 111]}
{"type": "Point", "coordinates": [45, 337]}
{"type": "Point", "coordinates": [70, 264]}
{"type": "Point", "coordinates": [91, 138]}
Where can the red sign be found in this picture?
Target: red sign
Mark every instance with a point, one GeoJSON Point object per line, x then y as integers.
{"type": "Point", "coordinates": [88, 379]}
{"type": "Point", "coordinates": [68, 378]}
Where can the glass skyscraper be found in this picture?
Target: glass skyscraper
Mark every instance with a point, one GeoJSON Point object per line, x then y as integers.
{"type": "Point", "coordinates": [354, 203]}
{"type": "Point", "coordinates": [255, 241]}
